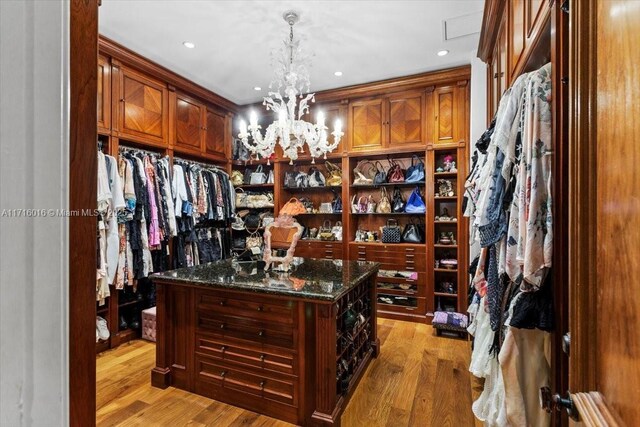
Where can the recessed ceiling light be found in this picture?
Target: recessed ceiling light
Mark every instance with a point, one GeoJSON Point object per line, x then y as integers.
{"type": "Point", "coordinates": [189, 45]}
{"type": "Point", "coordinates": [257, 88]}
{"type": "Point", "coordinates": [337, 73]}
{"type": "Point", "coordinates": [442, 52]}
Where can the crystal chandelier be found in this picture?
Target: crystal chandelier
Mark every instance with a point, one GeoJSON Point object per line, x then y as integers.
{"type": "Point", "coordinates": [287, 101]}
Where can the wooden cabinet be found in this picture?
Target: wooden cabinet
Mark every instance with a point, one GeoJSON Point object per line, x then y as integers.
{"type": "Point", "coordinates": [406, 118]}
{"type": "Point", "coordinates": [448, 106]}
{"type": "Point", "coordinates": [332, 113]}
{"type": "Point", "coordinates": [215, 133]}
{"type": "Point", "coordinates": [143, 108]}
{"type": "Point", "coordinates": [367, 124]}
{"type": "Point", "coordinates": [534, 17]}
{"type": "Point", "coordinates": [516, 33]}
{"type": "Point", "coordinates": [104, 95]}
{"type": "Point", "coordinates": [188, 123]}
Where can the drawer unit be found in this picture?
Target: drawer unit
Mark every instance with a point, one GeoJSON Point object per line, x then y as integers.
{"type": "Point", "coordinates": [392, 257]}
{"type": "Point", "coordinates": [411, 306]}
{"type": "Point", "coordinates": [272, 360]}
{"type": "Point", "coordinates": [259, 332]}
{"type": "Point", "coordinates": [319, 249]}
{"type": "Point", "coordinates": [262, 309]}
{"type": "Point", "coordinates": [250, 382]}
{"type": "Point", "coordinates": [402, 286]}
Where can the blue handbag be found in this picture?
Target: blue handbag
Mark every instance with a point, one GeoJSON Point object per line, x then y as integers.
{"type": "Point", "coordinates": [415, 173]}
{"type": "Point", "coordinates": [415, 204]}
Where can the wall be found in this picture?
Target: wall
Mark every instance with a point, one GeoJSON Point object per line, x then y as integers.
{"type": "Point", "coordinates": [33, 251]}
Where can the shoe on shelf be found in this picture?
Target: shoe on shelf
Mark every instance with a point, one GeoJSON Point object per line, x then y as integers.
{"type": "Point", "coordinates": [97, 334]}
{"type": "Point", "coordinates": [134, 323]}
{"type": "Point", "coordinates": [103, 330]}
{"type": "Point", "coordinates": [123, 323]}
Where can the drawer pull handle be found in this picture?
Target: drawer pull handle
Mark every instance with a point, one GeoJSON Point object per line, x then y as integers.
{"type": "Point", "coordinates": [222, 303]}
{"type": "Point", "coordinates": [262, 383]}
{"type": "Point", "coordinates": [223, 374]}
{"type": "Point", "coordinates": [410, 249]}
{"type": "Point", "coordinates": [221, 325]}
{"type": "Point", "coordinates": [261, 333]}
{"type": "Point", "coordinates": [260, 308]}
{"type": "Point", "coordinates": [223, 348]}
{"type": "Point", "coordinates": [410, 262]}
{"type": "Point", "coordinates": [262, 357]}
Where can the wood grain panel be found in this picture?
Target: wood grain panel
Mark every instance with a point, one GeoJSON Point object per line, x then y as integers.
{"type": "Point", "coordinates": [534, 12]}
{"type": "Point", "coordinates": [516, 38]}
{"type": "Point", "coordinates": [104, 94]}
{"type": "Point", "coordinates": [618, 206]}
{"type": "Point", "coordinates": [406, 117]}
{"type": "Point", "coordinates": [446, 115]}
{"type": "Point", "coordinates": [188, 123]}
{"type": "Point", "coordinates": [215, 126]}
{"type": "Point", "coordinates": [367, 124]}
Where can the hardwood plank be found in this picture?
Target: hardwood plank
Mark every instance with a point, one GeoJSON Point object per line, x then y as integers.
{"type": "Point", "coordinates": [418, 380]}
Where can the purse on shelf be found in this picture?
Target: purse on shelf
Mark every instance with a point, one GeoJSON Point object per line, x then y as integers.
{"type": "Point", "coordinates": [290, 179]}
{"type": "Point", "coordinates": [252, 220]}
{"type": "Point", "coordinates": [316, 178]}
{"type": "Point", "coordinates": [241, 198]}
{"type": "Point", "coordinates": [302, 180]}
{"type": "Point", "coordinates": [384, 205]}
{"type": "Point", "coordinates": [415, 173]}
{"type": "Point", "coordinates": [415, 204]}
{"type": "Point", "coordinates": [240, 152]}
{"type": "Point", "coordinates": [363, 173]}
{"type": "Point", "coordinates": [256, 200]}
{"type": "Point", "coordinates": [395, 173]}
{"type": "Point", "coordinates": [336, 204]}
{"type": "Point", "coordinates": [335, 175]}
{"type": "Point", "coordinates": [413, 232]}
{"type": "Point", "coordinates": [266, 218]}
{"type": "Point", "coordinates": [381, 175]}
{"type": "Point", "coordinates": [237, 178]}
{"type": "Point", "coordinates": [246, 178]}
{"type": "Point", "coordinates": [337, 230]}
{"type": "Point", "coordinates": [308, 204]}
{"type": "Point", "coordinates": [391, 232]}
{"type": "Point", "coordinates": [325, 207]}
{"type": "Point", "coordinates": [293, 207]}
{"type": "Point", "coordinates": [325, 232]}
{"type": "Point", "coordinates": [371, 204]}
{"type": "Point", "coordinates": [258, 176]}
{"type": "Point", "coordinates": [397, 205]}
{"type": "Point", "coordinates": [254, 241]}
{"type": "Point", "coordinates": [271, 177]}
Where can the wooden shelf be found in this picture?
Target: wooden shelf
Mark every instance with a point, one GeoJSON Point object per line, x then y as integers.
{"type": "Point", "coordinates": [445, 174]}
{"type": "Point", "coordinates": [320, 213]}
{"type": "Point", "coordinates": [445, 294]}
{"type": "Point", "coordinates": [326, 188]}
{"type": "Point", "coordinates": [400, 245]}
{"type": "Point", "coordinates": [445, 246]}
{"type": "Point", "coordinates": [388, 184]}
{"type": "Point", "coordinates": [389, 214]}
{"type": "Point", "coordinates": [102, 310]}
{"type": "Point", "coordinates": [254, 186]}
{"type": "Point", "coordinates": [128, 303]}
{"type": "Point", "coordinates": [447, 198]}
{"type": "Point", "coordinates": [445, 270]}
{"type": "Point", "coordinates": [445, 222]}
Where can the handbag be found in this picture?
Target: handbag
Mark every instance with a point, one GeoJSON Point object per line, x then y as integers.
{"type": "Point", "coordinates": [391, 232]}
{"type": "Point", "coordinates": [354, 205]}
{"type": "Point", "coordinates": [337, 230]}
{"type": "Point", "coordinates": [325, 232]}
{"type": "Point", "coordinates": [266, 218]}
{"type": "Point", "coordinates": [413, 233]}
{"type": "Point", "coordinates": [293, 207]}
{"type": "Point", "coordinates": [252, 220]}
{"type": "Point", "coordinates": [316, 178]}
{"type": "Point", "coordinates": [258, 176]}
{"type": "Point", "coordinates": [335, 175]}
{"type": "Point", "coordinates": [308, 204]}
{"type": "Point", "coordinates": [336, 204]}
{"type": "Point", "coordinates": [270, 178]}
{"type": "Point", "coordinates": [246, 178]}
{"type": "Point", "coordinates": [371, 204]}
{"type": "Point", "coordinates": [398, 204]}
{"type": "Point", "coordinates": [241, 198]}
{"type": "Point", "coordinates": [259, 200]}
{"type": "Point", "coordinates": [363, 176]}
{"type": "Point", "coordinates": [302, 180]}
{"type": "Point", "coordinates": [395, 173]}
{"type": "Point", "coordinates": [290, 179]}
{"type": "Point", "coordinates": [384, 205]}
{"type": "Point", "coordinates": [415, 173]}
{"type": "Point", "coordinates": [254, 241]}
{"type": "Point", "coordinates": [381, 175]}
{"type": "Point", "coordinates": [236, 178]}
{"type": "Point", "coordinates": [415, 204]}
{"type": "Point", "coordinates": [240, 151]}
{"type": "Point", "coordinates": [326, 207]}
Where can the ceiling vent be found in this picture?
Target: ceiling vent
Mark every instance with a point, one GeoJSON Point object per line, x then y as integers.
{"type": "Point", "coordinates": [462, 26]}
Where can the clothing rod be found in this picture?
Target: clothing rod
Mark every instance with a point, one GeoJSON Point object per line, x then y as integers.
{"type": "Point", "coordinates": [139, 150]}
{"type": "Point", "coordinates": [194, 162]}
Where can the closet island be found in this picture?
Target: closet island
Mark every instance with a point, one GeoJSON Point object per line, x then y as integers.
{"type": "Point", "coordinates": [288, 345]}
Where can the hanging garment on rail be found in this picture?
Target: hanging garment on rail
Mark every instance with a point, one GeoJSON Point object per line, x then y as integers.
{"type": "Point", "coordinates": [508, 197]}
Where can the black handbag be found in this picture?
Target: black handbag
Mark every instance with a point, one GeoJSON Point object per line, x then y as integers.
{"type": "Point", "coordinates": [413, 233]}
{"type": "Point", "coordinates": [391, 232]}
{"type": "Point", "coordinates": [246, 178]}
{"type": "Point", "coordinates": [397, 205]}
{"type": "Point", "coordinates": [336, 204]}
{"type": "Point", "coordinates": [381, 175]}
{"type": "Point", "coordinates": [252, 220]}
{"type": "Point", "coordinates": [290, 179]}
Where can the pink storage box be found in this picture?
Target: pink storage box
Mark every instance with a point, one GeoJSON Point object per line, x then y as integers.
{"type": "Point", "coordinates": [149, 324]}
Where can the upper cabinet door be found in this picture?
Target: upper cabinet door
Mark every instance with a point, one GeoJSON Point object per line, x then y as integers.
{"type": "Point", "coordinates": [216, 133]}
{"type": "Point", "coordinates": [188, 123]}
{"type": "Point", "coordinates": [367, 124]}
{"type": "Point", "coordinates": [534, 16]}
{"type": "Point", "coordinates": [143, 110]}
{"type": "Point", "coordinates": [406, 119]}
{"type": "Point", "coordinates": [446, 110]}
{"type": "Point", "coordinates": [516, 34]}
{"type": "Point", "coordinates": [333, 113]}
{"type": "Point", "coordinates": [104, 94]}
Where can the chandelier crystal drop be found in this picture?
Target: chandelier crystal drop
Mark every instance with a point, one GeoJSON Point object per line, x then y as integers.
{"type": "Point", "coordinates": [287, 100]}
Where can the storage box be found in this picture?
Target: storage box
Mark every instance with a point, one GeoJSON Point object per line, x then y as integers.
{"type": "Point", "coordinates": [149, 324]}
{"type": "Point", "coordinates": [450, 322]}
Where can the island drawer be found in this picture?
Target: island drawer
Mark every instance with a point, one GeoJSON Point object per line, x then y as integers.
{"type": "Point", "coordinates": [259, 332]}
{"type": "Point", "coordinates": [259, 308]}
{"type": "Point", "coordinates": [319, 249]}
{"type": "Point", "coordinates": [402, 259]}
{"type": "Point", "coordinates": [269, 359]}
{"type": "Point", "coordinates": [247, 381]}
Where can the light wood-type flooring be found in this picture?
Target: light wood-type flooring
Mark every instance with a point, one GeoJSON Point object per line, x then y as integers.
{"type": "Point", "coordinates": [418, 380]}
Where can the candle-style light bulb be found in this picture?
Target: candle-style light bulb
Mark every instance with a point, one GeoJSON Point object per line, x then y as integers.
{"type": "Point", "coordinates": [320, 119]}
{"type": "Point", "coordinates": [243, 127]}
{"type": "Point", "coordinates": [337, 126]}
{"type": "Point", "coordinates": [282, 117]}
{"type": "Point", "coordinates": [253, 119]}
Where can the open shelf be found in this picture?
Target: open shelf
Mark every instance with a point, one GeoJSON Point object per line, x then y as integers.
{"type": "Point", "coordinates": [445, 270]}
{"type": "Point", "coordinates": [389, 214]}
{"type": "Point", "coordinates": [446, 198]}
{"type": "Point", "coordinates": [445, 174]}
{"type": "Point", "coordinates": [445, 246]}
{"type": "Point", "coordinates": [325, 188]}
{"type": "Point", "coordinates": [128, 303]}
{"type": "Point", "coordinates": [254, 186]}
{"type": "Point", "coordinates": [388, 184]}
{"type": "Point", "coordinates": [445, 294]}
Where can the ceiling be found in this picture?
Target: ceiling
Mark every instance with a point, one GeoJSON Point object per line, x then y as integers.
{"type": "Point", "coordinates": [366, 40]}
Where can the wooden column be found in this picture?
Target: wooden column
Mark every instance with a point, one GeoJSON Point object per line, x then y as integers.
{"type": "Point", "coordinates": [326, 395]}
{"type": "Point", "coordinates": [161, 373]}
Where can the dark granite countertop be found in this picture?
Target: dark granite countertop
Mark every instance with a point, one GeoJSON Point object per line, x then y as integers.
{"type": "Point", "coordinates": [318, 279]}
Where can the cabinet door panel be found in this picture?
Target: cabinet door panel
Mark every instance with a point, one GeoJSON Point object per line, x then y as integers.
{"type": "Point", "coordinates": [332, 113]}
{"type": "Point", "coordinates": [188, 123]}
{"type": "Point", "coordinates": [406, 113]}
{"type": "Point", "coordinates": [104, 93]}
{"type": "Point", "coordinates": [502, 52]}
{"type": "Point", "coordinates": [366, 125]}
{"type": "Point", "coordinates": [445, 119]}
{"type": "Point", "coordinates": [516, 33]}
{"type": "Point", "coordinates": [534, 9]}
{"type": "Point", "coordinates": [143, 107]}
{"type": "Point", "coordinates": [215, 133]}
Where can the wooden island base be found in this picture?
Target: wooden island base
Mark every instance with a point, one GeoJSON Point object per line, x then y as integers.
{"type": "Point", "coordinates": [297, 359]}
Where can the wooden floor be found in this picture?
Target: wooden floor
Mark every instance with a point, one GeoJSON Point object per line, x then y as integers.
{"type": "Point", "coordinates": [418, 380]}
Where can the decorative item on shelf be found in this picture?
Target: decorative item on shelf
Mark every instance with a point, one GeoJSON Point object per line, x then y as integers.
{"type": "Point", "coordinates": [258, 176]}
{"type": "Point", "coordinates": [446, 287]}
{"type": "Point", "coordinates": [326, 232]}
{"type": "Point", "coordinates": [414, 232]}
{"type": "Point", "coordinates": [336, 204]}
{"type": "Point", "coordinates": [415, 173]}
{"type": "Point", "coordinates": [326, 207]}
{"type": "Point", "coordinates": [337, 230]}
{"type": "Point", "coordinates": [237, 223]}
{"type": "Point", "coordinates": [398, 201]}
{"type": "Point", "coordinates": [449, 263]}
{"type": "Point", "coordinates": [290, 131]}
{"type": "Point", "coordinates": [313, 233]}
{"type": "Point", "coordinates": [286, 231]}
{"type": "Point", "coordinates": [449, 163]}
{"type": "Point", "coordinates": [236, 178]}
{"type": "Point", "coordinates": [444, 216]}
{"type": "Point", "coordinates": [391, 233]}
{"type": "Point", "coordinates": [363, 173]}
{"type": "Point", "coordinates": [381, 175]}
{"type": "Point", "coordinates": [415, 204]}
{"type": "Point", "coordinates": [395, 172]}
{"type": "Point", "coordinates": [308, 204]}
{"type": "Point", "coordinates": [335, 175]}
{"type": "Point", "coordinates": [293, 207]}
{"type": "Point", "coordinates": [384, 205]}
{"type": "Point", "coordinates": [316, 178]}
{"type": "Point", "coordinates": [445, 188]}
{"type": "Point", "coordinates": [447, 238]}
{"type": "Point", "coordinates": [371, 205]}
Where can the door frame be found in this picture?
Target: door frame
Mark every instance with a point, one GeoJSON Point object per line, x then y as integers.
{"type": "Point", "coordinates": [83, 165]}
